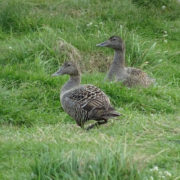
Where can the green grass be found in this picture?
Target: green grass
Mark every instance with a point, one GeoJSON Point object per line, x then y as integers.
{"type": "Point", "coordinates": [38, 140]}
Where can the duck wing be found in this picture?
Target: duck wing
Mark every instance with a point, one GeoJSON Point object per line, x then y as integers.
{"type": "Point", "coordinates": [89, 97]}
{"type": "Point", "coordinates": [137, 77]}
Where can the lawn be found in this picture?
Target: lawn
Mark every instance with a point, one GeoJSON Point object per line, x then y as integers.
{"type": "Point", "coordinates": [38, 140]}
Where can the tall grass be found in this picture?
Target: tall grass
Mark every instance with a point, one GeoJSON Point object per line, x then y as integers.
{"type": "Point", "coordinates": [18, 16]}
{"type": "Point", "coordinates": [73, 165]}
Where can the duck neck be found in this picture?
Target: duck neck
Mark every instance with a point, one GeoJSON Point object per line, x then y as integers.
{"type": "Point", "coordinates": [119, 59]}
{"type": "Point", "coordinates": [118, 64]}
{"type": "Point", "coordinates": [72, 83]}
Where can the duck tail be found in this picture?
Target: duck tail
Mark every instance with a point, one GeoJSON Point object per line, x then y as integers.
{"type": "Point", "coordinates": [114, 114]}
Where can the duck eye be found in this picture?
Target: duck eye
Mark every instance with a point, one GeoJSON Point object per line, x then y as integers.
{"type": "Point", "coordinates": [68, 65]}
{"type": "Point", "coordinates": [113, 39]}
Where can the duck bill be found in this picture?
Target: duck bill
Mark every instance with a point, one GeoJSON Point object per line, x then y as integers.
{"type": "Point", "coordinates": [58, 73]}
{"type": "Point", "coordinates": [103, 44]}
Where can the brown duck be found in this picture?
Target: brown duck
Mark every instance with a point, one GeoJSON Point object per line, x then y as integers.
{"type": "Point", "coordinates": [84, 102]}
{"type": "Point", "coordinates": [118, 72]}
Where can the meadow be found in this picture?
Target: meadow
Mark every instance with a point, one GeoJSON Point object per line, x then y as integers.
{"type": "Point", "coordinates": [38, 140]}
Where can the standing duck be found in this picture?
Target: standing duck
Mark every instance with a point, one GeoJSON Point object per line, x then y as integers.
{"type": "Point", "coordinates": [83, 102]}
{"type": "Point", "coordinates": [128, 75]}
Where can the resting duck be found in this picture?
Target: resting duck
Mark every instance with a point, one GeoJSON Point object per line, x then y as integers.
{"type": "Point", "coordinates": [83, 102]}
{"type": "Point", "coordinates": [128, 75]}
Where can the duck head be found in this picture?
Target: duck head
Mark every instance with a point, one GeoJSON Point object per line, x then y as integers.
{"type": "Point", "coordinates": [69, 68]}
{"type": "Point", "coordinates": [114, 42]}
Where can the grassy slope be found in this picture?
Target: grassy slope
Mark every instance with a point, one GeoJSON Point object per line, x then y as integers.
{"type": "Point", "coordinates": [38, 140]}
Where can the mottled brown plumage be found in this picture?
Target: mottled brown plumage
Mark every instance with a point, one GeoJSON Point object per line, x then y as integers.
{"type": "Point", "coordinates": [137, 77]}
{"type": "Point", "coordinates": [90, 97]}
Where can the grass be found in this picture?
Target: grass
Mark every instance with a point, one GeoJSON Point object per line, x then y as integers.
{"type": "Point", "coordinates": [38, 139]}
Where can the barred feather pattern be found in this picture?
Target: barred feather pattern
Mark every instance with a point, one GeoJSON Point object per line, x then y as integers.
{"type": "Point", "coordinates": [137, 77]}
{"type": "Point", "coordinates": [86, 102]}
